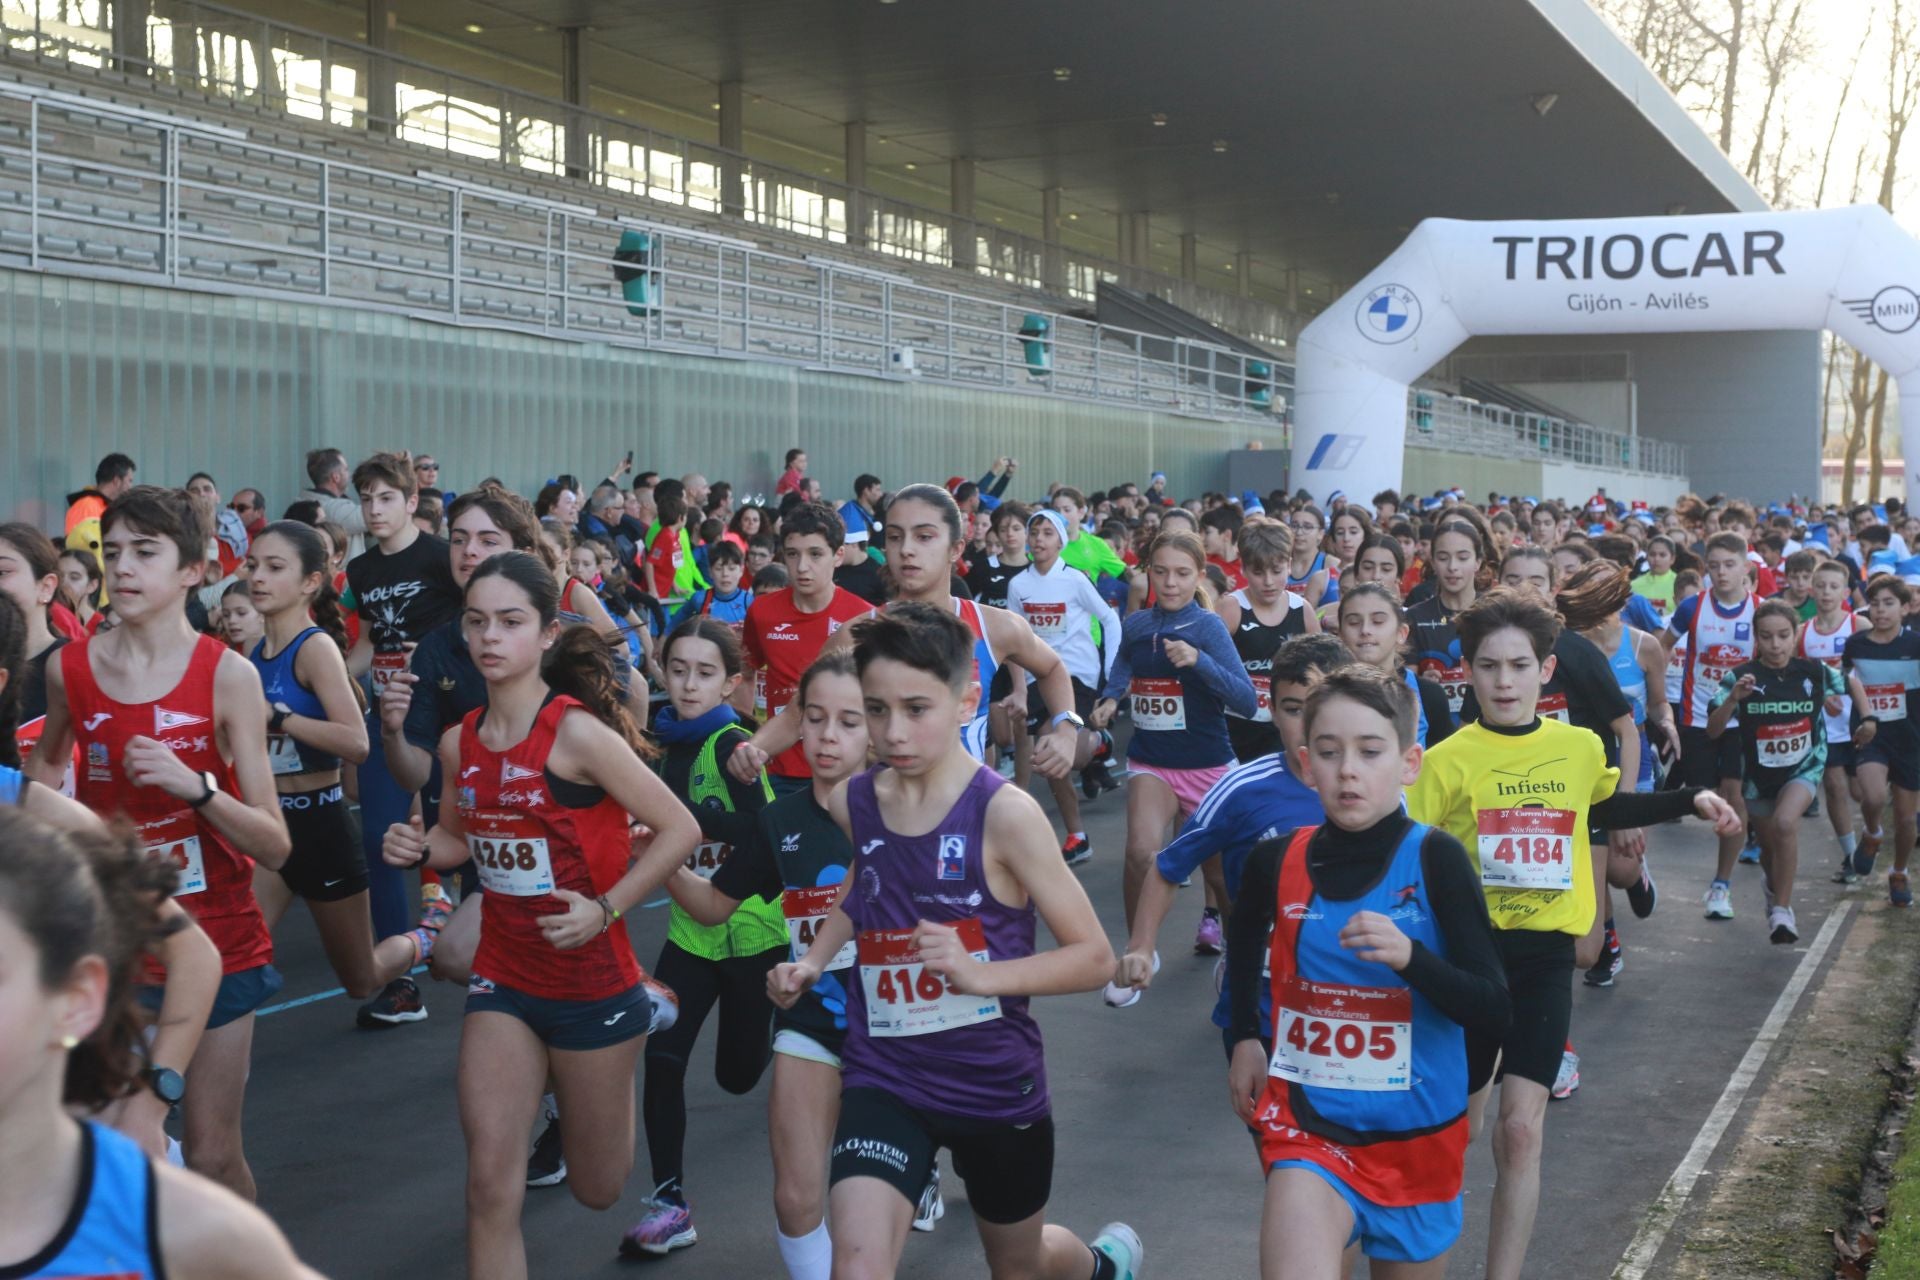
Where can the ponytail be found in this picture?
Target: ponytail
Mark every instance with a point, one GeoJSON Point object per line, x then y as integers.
{"type": "Point", "coordinates": [1594, 592]}
{"type": "Point", "coordinates": [581, 666]}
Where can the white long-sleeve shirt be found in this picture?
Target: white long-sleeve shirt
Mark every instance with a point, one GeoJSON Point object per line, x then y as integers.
{"type": "Point", "coordinates": [1061, 606]}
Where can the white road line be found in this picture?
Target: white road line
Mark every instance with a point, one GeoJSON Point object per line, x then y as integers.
{"type": "Point", "coordinates": [1666, 1207]}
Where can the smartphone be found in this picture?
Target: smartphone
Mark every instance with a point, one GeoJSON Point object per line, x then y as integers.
{"type": "Point", "coordinates": [629, 457]}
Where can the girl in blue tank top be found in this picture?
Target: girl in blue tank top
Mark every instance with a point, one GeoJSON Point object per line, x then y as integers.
{"type": "Point", "coordinates": [951, 868]}
{"type": "Point", "coordinates": [73, 896]}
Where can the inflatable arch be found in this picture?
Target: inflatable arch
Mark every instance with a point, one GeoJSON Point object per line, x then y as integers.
{"type": "Point", "coordinates": [1851, 270]}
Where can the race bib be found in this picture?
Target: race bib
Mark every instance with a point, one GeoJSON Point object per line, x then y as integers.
{"type": "Point", "coordinates": [707, 857]}
{"type": "Point", "coordinates": [1553, 706]}
{"type": "Point", "coordinates": [1718, 659]}
{"type": "Point", "coordinates": [1453, 681]}
{"type": "Point", "coordinates": [760, 693]}
{"type": "Point", "coordinates": [514, 867]}
{"type": "Point", "coordinates": [1780, 746]}
{"type": "Point", "coordinates": [1526, 848]}
{"type": "Point", "coordinates": [903, 999]}
{"type": "Point", "coordinates": [1158, 705]}
{"type": "Point", "coordinates": [1049, 621]}
{"type": "Point", "coordinates": [174, 838]}
{"type": "Point", "coordinates": [1341, 1037]}
{"type": "Point", "coordinates": [1887, 701]}
{"type": "Point", "coordinates": [806, 910]}
{"type": "Point", "coordinates": [1263, 693]}
{"type": "Point", "coordinates": [283, 753]}
{"type": "Point", "coordinates": [385, 667]}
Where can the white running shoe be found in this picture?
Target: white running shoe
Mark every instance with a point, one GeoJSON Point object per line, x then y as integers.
{"type": "Point", "coordinates": [1567, 1079]}
{"type": "Point", "coordinates": [1719, 901]}
{"type": "Point", "coordinates": [1781, 926]}
{"type": "Point", "coordinates": [1121, 1245]}
{"type": "Point", "coordinates": [931, 1207]}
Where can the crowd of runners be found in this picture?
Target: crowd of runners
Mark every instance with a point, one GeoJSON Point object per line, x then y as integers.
{"type": "Point", "coordinates": [1413, 749]}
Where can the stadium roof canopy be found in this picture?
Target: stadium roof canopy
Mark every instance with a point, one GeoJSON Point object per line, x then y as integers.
{"type": "Point", "coordinates": [1344, 121]}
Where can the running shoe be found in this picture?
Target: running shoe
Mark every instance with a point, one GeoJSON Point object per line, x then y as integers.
{"type": "Point", "coordinates": [1846, 874]}
{"type": "Point", "coordinates": [1120, 1244]}
{"type": "Point", "coordinates": [1865, 852]}
{"type": "Point", "coordinates": [547, 1166]}
{"type": "Point", "coordinates": [666, 1005]}
{"type": "Point", "coordinates": [1642, 895]}
{"type": "Point", "coordinates": [1610, 963]}
{"type": "Point", "coordinates": [1719, 901]}
{"type": "Point", "coordinates": [1076, 850]}
{"type": "Point", "coordinates": [1750, 852]}
{"type": "Point", "coordinates": [931, 1207]}
{"type": "Point", "coordinates": [1126, 997]}
{"type": "Point", "coordinates": [667, 1226]}
{"type": "Point", "coordinates": [1207, 940]}
{"type": "Point", "coordinates": [1096, 778]}
{"type": "Point", "coordinates": [1567, 1079]}
{"type": "Point", "coordinates": [397, 1004]}
{"type": "Point", "coordinates": [1781, 925]}
{"type": "Point", "coordinates": [1899, 892]}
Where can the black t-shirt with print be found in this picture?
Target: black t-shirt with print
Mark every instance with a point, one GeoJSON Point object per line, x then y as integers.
{"type": "Point", "coordinates": [402, 596]}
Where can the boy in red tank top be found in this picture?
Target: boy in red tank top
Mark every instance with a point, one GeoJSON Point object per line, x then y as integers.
{"type": "Point", "coordinates": [172, 731]}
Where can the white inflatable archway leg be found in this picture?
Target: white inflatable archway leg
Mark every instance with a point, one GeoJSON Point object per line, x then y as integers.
{"type": "Point", "coordinates": [1850, 270]}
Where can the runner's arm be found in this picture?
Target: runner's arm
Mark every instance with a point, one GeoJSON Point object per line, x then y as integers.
{"type": "Point", "coordinates": [1469, 984]}
{"type": "Point", "coordinates": [360, 657]}
{"type": "Point", "coordinates": [343, 733]}
{"type": "Point", "coordinates": [1722, 707]}
{"type": "Point", "coordinates": [1219, 668]}
{"type": "Point", "coordinates": [1642, 808]}
{"type": "Point", "coordinates": [53, 754]}
{"type": "Point", "coordinates": [193, 980]}
{"type": "Point", "coordinates": [1627, 734]}
{"type": "Point", "coordinates": [1109, 619]}
{"type": "Point", "coordinates": [1054, 747]}
{"type": "Point", "coordinates": [1249, 925]}
{"type": "Point", "coordinates": [1019, 841]}
{"type": "Point", "coordinates": [208, 1233]}
{"type": "Point", "coordinates": [251, 819]}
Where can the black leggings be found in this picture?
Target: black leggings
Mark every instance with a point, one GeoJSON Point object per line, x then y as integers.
{"type": "Point", "coordinates": [740, 1057]}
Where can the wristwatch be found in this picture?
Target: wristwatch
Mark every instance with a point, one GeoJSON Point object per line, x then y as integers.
{"type": "Point", "coordinates": [212, 785]}
{"type": "Point", "coordinates": [278, 720]}
{"type": "Point", "coordinates": [167, 1084]}
{"type": "Point", "coordinates": [1069, 717]}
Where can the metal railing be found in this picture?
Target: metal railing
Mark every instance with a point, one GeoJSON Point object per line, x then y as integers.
{"type": "Point", "coordinates": [104, 190]}
{"type": "Point", "coordinates": [196, 48]}
{"type": "Point", "coordinates": [100, 190]}
{"type": "Point", "coordinates": [1436, 420]}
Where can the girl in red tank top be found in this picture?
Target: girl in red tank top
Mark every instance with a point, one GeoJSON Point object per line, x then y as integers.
{"type": "Point", "coordinates": [171, 729]}
{"type": "Point", "coordinates": [540, 786]}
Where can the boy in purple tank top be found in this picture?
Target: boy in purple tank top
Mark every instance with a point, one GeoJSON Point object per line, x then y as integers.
{"type": "Point", "coordinates": [950, 869]}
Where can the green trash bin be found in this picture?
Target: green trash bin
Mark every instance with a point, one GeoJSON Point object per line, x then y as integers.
{"type": "Point", "coordinates": [633, 268]}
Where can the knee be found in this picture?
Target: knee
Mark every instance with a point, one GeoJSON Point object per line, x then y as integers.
{"type": "Point", "coordinates": [598, 1189]}
{"type": "Point", "coordinates": [493, 1195]}
{"type": "Point", "coordinates": [1517, 1140]}
{"type": "Point", "coordinates": [797, 1208]}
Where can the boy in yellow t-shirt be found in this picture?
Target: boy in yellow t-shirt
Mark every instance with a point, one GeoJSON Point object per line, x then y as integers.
{"type": "Point", "coordinates": [1521, 793]}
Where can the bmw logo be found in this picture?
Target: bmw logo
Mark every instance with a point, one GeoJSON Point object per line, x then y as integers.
{"type": "Point", "coordinates": [1388, 314]}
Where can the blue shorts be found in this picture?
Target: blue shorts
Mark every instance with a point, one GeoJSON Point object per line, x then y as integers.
{"type": "Point", "coordinates": [1896, 755]}
{"type": "Point", "coordinates": [239, 995]}
{"type": "Point", "coordinates": [567, 1024]}
{"type": "Point", "coordinates": [1408, 1233]}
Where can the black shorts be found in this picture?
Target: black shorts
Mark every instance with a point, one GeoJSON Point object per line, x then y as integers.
{"type": "Point", "coordinates": [1707, 762]}
{"type": "Point", "coordinates": [1008, 1168]}
{"type": "Point", "coordinates": [1840, 755]}
{"type": "Point", "coordinates": [1897, 753]}
{"type": "Point", "coordinates": [1252, 739]}
{"type": "Point", "coordinates": [1038, 719]}
{"type": "Point", "coordinates": [1540, 984]}
{"type": "Point", "coordinates": [574, 1025]}
{"type": "Point", "coordinates": [1001, 685]}
{"type": "Point", "coordinates": [327, 863]}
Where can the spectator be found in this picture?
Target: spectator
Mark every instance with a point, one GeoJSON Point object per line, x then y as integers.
{"type": "Point", "coordinates": [113, 477]}
{"type": "Point", "coordinates": [251, 506]}
{"type": "Point", "coordinates": [328, 479]}
{"type": "Point", "coordinates": [695, 487]}
{"type": "Point", "coordinates": [796, 471]}
{"type": "Point", "coordinates": [605, 506]}
{"type": "Point", "coordinates": [427, 471]}
{"type": "Point", "coordinates": [230, 540]}
{"type": "Point", "coordinates": [861, 515]}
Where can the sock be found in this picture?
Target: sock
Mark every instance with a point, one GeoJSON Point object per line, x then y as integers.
{"type": "Point", "coordinates": [808, 1257]}
{"type": "Point", "coordinates": [1848, 843]}
{"type": "Point", "coordinates": [549, 1106]}
{"type": "Point", "coordinates": [1076, 835]}
{"type": "Point", "coordinates": [1104, 1267]}
{"type": "Point", "coordinates": [1612, 936]}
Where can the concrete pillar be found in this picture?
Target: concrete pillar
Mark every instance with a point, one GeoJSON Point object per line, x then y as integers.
{"type": "Point", "coordinates": [1293, 288]}
{"type": "Point", "coordinates": [733, 142]}
{"type": "Point", "coordinates": [1136, 237]}
{"type": "Point", "coordinates": [574, 82]}
{"type": "Point", "coordinates": [1053, 267]}
{"type": "Point", "coordinates": [856, 166]}
{"type": "Point", "coordinates": [383, 107]}
{"type": "Point", "coordinates": [129, 36]}
{"type": "Point", "coordinates": [960, 200]}
{"type": "Point", "coordinates": [1189, 256]}
{"type": "Point", "coordinates": [1243, 273]}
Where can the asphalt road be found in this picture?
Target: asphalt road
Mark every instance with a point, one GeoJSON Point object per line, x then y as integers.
{"type": "Point", "coordinates": [355, 1138]}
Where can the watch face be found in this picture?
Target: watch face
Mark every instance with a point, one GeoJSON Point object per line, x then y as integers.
{"type": "Point", "coordinates": [167, 1084]}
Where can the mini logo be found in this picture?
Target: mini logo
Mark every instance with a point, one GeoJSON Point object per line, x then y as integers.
{"type": "Point", "coordinates": [1895, 309]}
{"type": "Point", "coordinates": [1388, 314]}
{"type": "Point", "coordinates": [953, 857]}
{"type": "Point", "coordinates": [870, 846]}
{"type": "Point", "coordinates": [165, 720]}
{"type": "Point", "coordinates": [511, 772]}
{"type": "Point", "coordinates": [97, 719]}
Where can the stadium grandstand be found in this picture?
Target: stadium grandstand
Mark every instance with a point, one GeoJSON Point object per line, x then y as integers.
{"type": "Point", "coordinates": [236, 232]}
